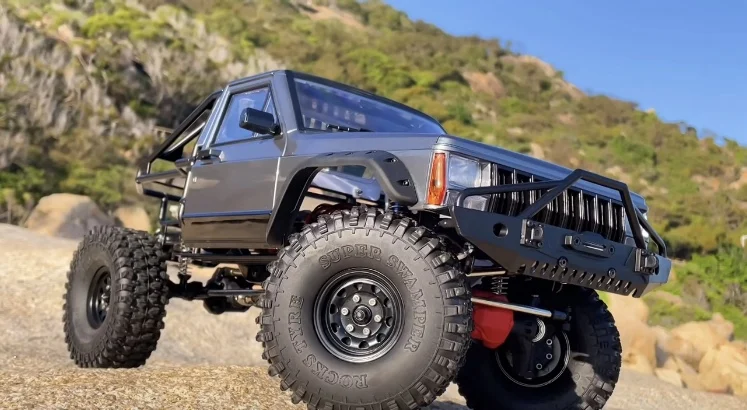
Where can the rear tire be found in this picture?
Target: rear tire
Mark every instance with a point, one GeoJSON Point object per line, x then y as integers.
{"type": "Point", "coordinates": [404, 363]}
{"type": "Point", "coordinates": [115, 298]}
{"type": "Point", "coordinates": [587, 383]}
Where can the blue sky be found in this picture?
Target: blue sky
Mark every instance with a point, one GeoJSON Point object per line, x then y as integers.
{"type": "Point", "coordinates": [686, 59]}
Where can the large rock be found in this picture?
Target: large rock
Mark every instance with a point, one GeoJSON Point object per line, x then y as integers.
{"type": "Point", "coordinates": [628, 307]}
{"type": "Point", "coordinates": [692, 340]}
{"type": "Point", "coordinates": [485, 83]}
{"type": "Point", "coordinates": [662, 338]}
{"type": "Point", "coordinates": [684, 349]}
{"type": "Point", "coordinates": [687, 374]}
{"type": "Point", "coordinates": [721, 326]}
{"type": "Point", "coordinates": [637, 363]}
{"type": "Point", "coordinates": [133, 217]}
{"type": "Point", "coordinates": [66, 215]}
{"type": "Point", "coordinates": [669, 376]}
{"type": "Point", "coordinates": [638, 339]}
{"type": "Point", "coordinates": [724, 368]}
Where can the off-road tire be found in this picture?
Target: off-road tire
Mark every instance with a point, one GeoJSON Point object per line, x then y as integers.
{"type": "Point", "coordinates": [419, 366]}
{"type": "Point", "coordinates": [587, 384]}
{"type": "Point", "coordinates": [139, 294]}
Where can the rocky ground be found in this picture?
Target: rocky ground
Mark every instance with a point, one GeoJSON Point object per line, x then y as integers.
{"type": "Point", "coordinates": [203, 361]}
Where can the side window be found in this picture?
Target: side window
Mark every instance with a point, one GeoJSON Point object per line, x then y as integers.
{"type": "Point", "coordinates": [229, 128]}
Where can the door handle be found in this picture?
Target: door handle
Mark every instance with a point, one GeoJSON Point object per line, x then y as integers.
{"type": "Point", "coordinates": [208, 155]}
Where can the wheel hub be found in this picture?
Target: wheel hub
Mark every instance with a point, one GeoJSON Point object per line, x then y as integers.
{"type": "Point", "coordinates": [362, 315]}
{"type": "Point", "coordinates": [535, 360]}
{"type": "Point", "coordinates": [358, 315]}
{"type": "Point", "coordinates": [99, 296]}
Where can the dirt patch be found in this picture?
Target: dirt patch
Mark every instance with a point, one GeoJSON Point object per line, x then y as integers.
{"type": "Point", "coordinates": [537, 151]}
{"type": "Point", "coordinates": [617, 172]}
{"type": "Point", "coordinates": [707, 184]}
{"type": "Point", "coordinates": [327, 13]}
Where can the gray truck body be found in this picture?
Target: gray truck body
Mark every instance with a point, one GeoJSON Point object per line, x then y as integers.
{"type": "Point", "coordinates": [245, 192]}
{"type": "Point", "coordinates": [246, 182]}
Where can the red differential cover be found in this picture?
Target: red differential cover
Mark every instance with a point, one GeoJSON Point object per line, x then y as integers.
{"type": "Point", "coordinates": [492, 324]}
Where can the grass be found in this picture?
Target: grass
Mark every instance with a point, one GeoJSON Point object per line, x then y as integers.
{"type": "Point", "coordinates": [669, 315]}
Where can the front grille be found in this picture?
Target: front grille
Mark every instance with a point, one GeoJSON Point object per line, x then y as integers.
{"type": "Point", "coordinates": [573, 209]}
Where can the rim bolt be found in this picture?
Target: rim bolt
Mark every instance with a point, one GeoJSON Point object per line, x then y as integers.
{"type": "Point", "coordinates": [377, 318]}
{"type": "Point", "coordinates": [548, 356]}
{"type": "Point", "coordinates": [366, 331]}
{"type": "Point", "coordinates": [538, 366]}
{"type": "Point", "coordinates": [344, 311]}
{"type": "Point", "coordinates": [349, 328]}
{"type": "Point", "coordinates": [372, 302]}
{"type": "Point", "coordinates": [356, 298]}
{"type": "Point", "coordinates": [548, 342]}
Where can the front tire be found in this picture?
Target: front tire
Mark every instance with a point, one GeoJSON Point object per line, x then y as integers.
{"type": "Point", "coordinates": [406, 321]}
{"type": "Point", "coordinates": [586, 383]}
{"type": "Point", "coordinates": [115, 298]}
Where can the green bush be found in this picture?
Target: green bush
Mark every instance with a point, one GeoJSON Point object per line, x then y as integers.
{"type": "Point", "coordinates": [105, 186]}
{"type": "Point", "coordinates": [718, 280]}
{"type": "Point", "coordinates": [663, 313]}
{"type": "Point", "coordinates": [376, 70]}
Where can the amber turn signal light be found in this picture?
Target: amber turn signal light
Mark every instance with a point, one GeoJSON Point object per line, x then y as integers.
{"type": "Point", "coordinates": [437, 181]}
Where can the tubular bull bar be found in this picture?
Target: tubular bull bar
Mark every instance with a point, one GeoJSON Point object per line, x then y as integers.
{"type": "Point", "coordinates": [586, 259]}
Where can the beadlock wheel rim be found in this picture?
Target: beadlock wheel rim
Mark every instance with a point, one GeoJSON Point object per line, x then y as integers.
{"type": "Point", "coordinates": [99, 297]}
{"type": "Point", "coordinates": [358, 315]}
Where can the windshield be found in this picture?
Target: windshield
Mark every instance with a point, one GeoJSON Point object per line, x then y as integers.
{"type": "Point", "coordinates": [328, 108]}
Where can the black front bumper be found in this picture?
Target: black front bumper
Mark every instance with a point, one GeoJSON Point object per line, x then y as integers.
{"type": "Point", "coordinates": [532, 248]}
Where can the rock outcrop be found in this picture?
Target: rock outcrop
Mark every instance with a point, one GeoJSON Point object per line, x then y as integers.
{"type": "Point", "coordinates": [692, 340]}
{"type": "Point", "coordinates": [133, 217]}
{"type": "Point", "coordinates": [669, 376]}
{"type": "Point", "coordinates": [724, 369]}
{"type": "Point", "coordinates": [700, 356]}
{"type": "Point", "coordinates": [687, 374]}
{"type": "Point", "coordinates": [637, 338]}
{"type": "Point", "coordinates": [66, 215]}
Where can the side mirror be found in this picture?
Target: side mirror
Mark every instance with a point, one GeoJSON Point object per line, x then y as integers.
{"type": "Point", "coordinates": [261, 122]}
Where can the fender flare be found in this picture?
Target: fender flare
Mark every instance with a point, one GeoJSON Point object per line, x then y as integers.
{"type": "Point", "coordinates": [391, 174]}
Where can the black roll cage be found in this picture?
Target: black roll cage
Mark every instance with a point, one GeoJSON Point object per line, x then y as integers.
{"type": "Point", "coordinates": [171, 152]}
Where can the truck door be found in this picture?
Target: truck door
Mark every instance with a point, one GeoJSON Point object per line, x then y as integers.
{"type": "Point", "coordinates": [231, 185]}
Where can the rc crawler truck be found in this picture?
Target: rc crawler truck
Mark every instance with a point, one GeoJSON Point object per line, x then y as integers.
{"type": "Point", "coordinates": [388, 258]}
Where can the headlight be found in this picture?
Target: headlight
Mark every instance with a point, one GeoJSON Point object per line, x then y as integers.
{"type": "Point", "coordinates": [463, 172]}
{"type": "Point", "coordinates": [479, 203]}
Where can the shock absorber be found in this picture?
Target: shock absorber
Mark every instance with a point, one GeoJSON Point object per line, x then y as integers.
{"type": "Point", "coordinates": [499, 284]}
{"type": "Point", "coordinates": [183, 274]}
{"type": "Point", "coordinates": [395, 207]}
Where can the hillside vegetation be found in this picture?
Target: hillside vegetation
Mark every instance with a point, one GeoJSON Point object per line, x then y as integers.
{"type": "Point", "coordinates": [83, 83]}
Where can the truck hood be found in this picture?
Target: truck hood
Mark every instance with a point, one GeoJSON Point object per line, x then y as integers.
{"type": "Point", "coordinates": [538, 167]}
